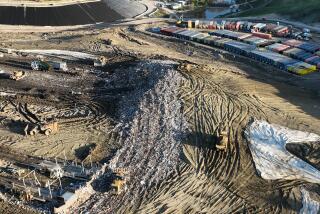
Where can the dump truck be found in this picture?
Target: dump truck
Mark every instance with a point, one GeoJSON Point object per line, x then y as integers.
{"type": "Point", "coordinates": [223, 140]}
{"type": "Point", "coordinates": [38, 65]}
{"type": "Point", "coordinates": [46, 129]}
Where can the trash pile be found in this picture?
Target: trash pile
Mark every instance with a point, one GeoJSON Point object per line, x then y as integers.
{"type": "Point", "coordinates": [151, 129]}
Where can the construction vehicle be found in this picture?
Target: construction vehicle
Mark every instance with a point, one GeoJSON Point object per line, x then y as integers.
{"type": "Point", "coordinates": [26, 195]}
{"type": "Point", "coordinates": [118, 184]}
{"type": "Point", "coordinates": [46, 129]}
{"type": "Point", "coordinates": [180, 22]}
{"type": "Point", "coordinates": [40, 66]}
{"type": "Point", "coordinates": [100, 61]}
{"type": "Point", "coordinates": [120, 179]}
{"type": "Point", "coordinates": [223, 140]}
{"type": "Point", "coordinates": [17, 75]}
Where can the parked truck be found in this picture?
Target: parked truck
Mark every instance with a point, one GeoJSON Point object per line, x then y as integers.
{"type": "Point", "coordinates": [38, 65]}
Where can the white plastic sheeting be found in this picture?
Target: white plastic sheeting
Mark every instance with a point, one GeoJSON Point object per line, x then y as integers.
{"type": "Point", "coordinates": [310, 206]}
{"type": "Point", "coordinates": [63, 54]}
{"type": "Point", "coordinates": [267, 144]}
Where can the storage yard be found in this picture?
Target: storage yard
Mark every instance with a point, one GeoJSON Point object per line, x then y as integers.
{"type": "Point", "coordinates": [150, 117]}
{"type": "Point", "coordinates": [295, 56]}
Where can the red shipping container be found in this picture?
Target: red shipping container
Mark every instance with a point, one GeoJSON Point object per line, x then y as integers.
{"type": "Point", "coordinates": [262, 35]}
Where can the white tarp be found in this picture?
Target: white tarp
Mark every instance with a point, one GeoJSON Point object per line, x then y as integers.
{"type": "Point", "coordinates": [310, 206]}
{"type": "Point", "coordinates": [267, 144]}
{"type": "Point", "coordinates": [64, 54]}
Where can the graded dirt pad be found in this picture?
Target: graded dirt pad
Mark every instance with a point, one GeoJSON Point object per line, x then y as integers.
{"type": "Point", "coordinates": [155, 111]}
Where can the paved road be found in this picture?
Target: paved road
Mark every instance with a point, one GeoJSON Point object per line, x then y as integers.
{"type": "Point", "coordinates": [150, 5]}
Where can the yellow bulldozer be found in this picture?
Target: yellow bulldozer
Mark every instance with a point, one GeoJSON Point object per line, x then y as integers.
{"type": "Point", "coordinates": [223, 140]}
{"type": "Point", "coordinates": [46, 129]}
{"type": "Point", "coordinates": [26, 195]}
{"type": "Point", "coordinates": [120, 179]}
{"type": "Point", "coordinates": [17, 75]}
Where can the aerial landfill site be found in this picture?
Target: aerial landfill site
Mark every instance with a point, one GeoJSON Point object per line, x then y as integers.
{"type": "Point", "coordinates": [158, 115]}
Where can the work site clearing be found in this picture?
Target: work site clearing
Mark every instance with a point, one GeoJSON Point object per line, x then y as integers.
{"type": "Point", "coordinates": [157, 125]}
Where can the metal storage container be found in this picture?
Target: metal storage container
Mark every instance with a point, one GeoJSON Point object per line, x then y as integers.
{"type": "Point", "coordinates": [259, 42]}
{"type": "Point", "coordinates": [193, 35]}
{"type": "Point", "coordinates": [272, 58]}
{"type": "Point", "coordinates": [262, 35]}
{"type": "Point", "coordinates": [292, 42]}
{"type": "Point", "coordinates": [176, 32]}
{"type": "Point", "coordinates": [297, 53]}
{"type": "Point", "coordinates": [185, 34]}
{"type": "Point", "coordinates": [277, 47]}
{"type": "Point", "coordinates": [301, 68]}
{"type": "Point", "coordinates": [168, 30]}
{"type": "Point", "coordinates": [239, 47]}
{"type": "Point", "coordinates": [310, 47]}
{"type": "Point", "coordinates": [221, 42]}
{"type": "Point", "coordinates": [200, 37]}
{"type": "Point", "coordinates": [314, 60]}
{"type": "Point", "coordinates": [210, 40]}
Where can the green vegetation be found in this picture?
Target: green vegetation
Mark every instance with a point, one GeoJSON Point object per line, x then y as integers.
{"type": "Point", "coordinates": [301, 10]}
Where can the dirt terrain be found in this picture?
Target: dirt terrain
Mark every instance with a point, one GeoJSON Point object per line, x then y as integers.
{"type": "Point", "coordinates": [155, 110]}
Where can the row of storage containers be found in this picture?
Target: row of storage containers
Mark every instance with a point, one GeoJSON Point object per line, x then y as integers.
{"type": "Point", "coordinates": [307, 46]}
{"type": "Point", "coordinates": [283, 62]}
{"type": "Point", "coordinates": [245, 37]}
{"type": "Point", "coordinates": [272, 58]}
{"type": "Point", "coordinates": [314, 60]}
{"type": "Point", "coordinates": [230, 34]}
{"type": "Point", "coordinates": [266, 56]}
{"type": "Point", "coordinates": [246, 26]}
{"type": "Point", "coordinates": [297, 53]}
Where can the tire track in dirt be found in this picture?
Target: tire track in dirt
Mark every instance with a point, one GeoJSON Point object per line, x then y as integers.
{"type": "Point", "coordinates": [209, 105]}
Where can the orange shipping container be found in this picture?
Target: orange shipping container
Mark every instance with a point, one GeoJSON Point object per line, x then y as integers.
{"type": "Point", "coordinates": [262, 35]}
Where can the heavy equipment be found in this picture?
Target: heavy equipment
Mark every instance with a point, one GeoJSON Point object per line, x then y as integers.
{"type": "Point", "coordinates": [118, 184]}
{"type": "Point", "coordinates": [223, 140]}
{"type": "Point", "coordinates": [100, 61]}
{"type": "Point", "coordinates": [26, 195]}
{"type": "Point", "coordinates": [42, 128]}
{"type": "Point", "coordinates": [120, 179]}
{"type": "Point", "coordinates": [40, 66]}
{"type": "Point", "coordinates": [17, 75]}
